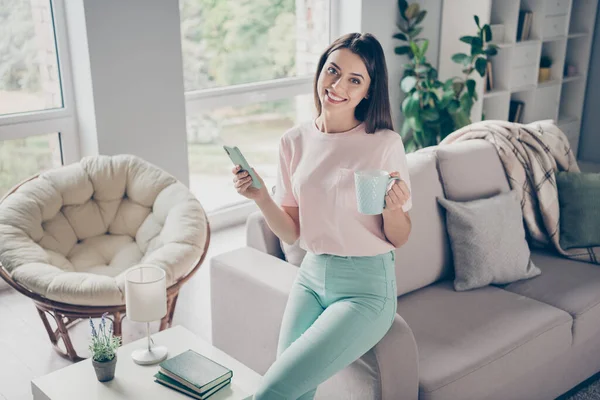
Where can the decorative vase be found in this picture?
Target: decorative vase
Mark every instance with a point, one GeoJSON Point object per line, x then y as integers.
{"type": "Point", "coordinates": [105, 370]}
{"type": "Point", "coordinates": [544, 74]}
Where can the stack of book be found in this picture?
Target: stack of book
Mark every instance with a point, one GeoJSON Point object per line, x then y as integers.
{"type": "Point", "coordinates": [193, 374]}
{"type": "Point", "coordinates": [524, 26]}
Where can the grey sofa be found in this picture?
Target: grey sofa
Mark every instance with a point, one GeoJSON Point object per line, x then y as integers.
{"type": "Point", "coordinates": [528, 340]}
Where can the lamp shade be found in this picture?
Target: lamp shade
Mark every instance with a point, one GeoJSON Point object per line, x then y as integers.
{"type": "Point", "coordinates": [145, 293]}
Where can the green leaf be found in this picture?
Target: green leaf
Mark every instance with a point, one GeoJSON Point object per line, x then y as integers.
{"type": "Point", "coordinates": [476, 20]}
{"type": "Point", "coordinates": [420, 17]}
{"type": "Point", "coordinates": [402, 50]}
{"type": "Point", "coordinates": [424, 47]}
{"type": "Point", "coordinates": [430, 114]}
{"type": "Point", "coordinates": [477, 42]}
{"type": "Point", "coordinates": [415, 31]}
{"type": "Point", "coordinates": [487, 32]}
{"type": "Point", "coordinates": [405, 128]}
{"type": "Point", "coordinates": [415, 49]}
{"type": "Point", "coordinates": [467, 39]}
{"type": "Point", "coordinates": [461, 58]}
{"type": "Point", "coordinates": [491, 51]}
{"type": "Point", "coordinates": [448, 84]}
{"type": "Point", "coordinates": [400, 36]}
{"type": "Point", "coordinates": [480, 66]}
{"type": "Point", "coordinates": [422, 69]}
{"type": "Point", "coordinates": [402, 6]}
{"type": "Point", "coordinates": [408, 84]}
{"type": "Point", "coordinates": [410, 105]}
{"type": "Point", "coordinates": [453, 106]}
{"type": "Point", "coordinates": [415, 124]}
{"type": "Point", "coordinates": [466, 103]}
{"type": "Point", "coordinates": [470, 83]}
{"type": "Point", "coordinates": [476, 50]}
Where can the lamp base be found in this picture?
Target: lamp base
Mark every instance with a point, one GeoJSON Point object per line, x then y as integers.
{"type": "Point", "coordinates": [155, 355]}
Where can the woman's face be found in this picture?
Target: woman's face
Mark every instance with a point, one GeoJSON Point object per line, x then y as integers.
{"type": "Point", "coordinates": [343, 81]}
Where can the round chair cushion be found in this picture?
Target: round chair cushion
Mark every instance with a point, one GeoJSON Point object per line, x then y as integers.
{"type": "Point", "coordinates": [72, 233]}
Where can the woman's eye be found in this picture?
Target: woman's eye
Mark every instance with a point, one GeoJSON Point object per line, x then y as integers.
{"type": "Point", "coordinates": [355, 81]}
{"type": "Point", "coordinates": [331, 70]}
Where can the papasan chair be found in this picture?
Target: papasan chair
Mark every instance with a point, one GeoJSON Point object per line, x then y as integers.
{"type": "Point", "coordinates": [69, 235]}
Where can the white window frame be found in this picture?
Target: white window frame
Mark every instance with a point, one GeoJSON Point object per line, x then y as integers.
{"type": "Point", "coordinates": [62, 120]}
{"type": "Point", "coordinates": [199, 101]}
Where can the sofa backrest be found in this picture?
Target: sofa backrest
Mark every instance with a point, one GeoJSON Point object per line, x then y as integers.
{"type": "Point", "coordinates": [425, 258]}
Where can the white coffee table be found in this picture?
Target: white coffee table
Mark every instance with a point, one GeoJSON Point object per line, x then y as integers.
{"type": "Point", "coordinates": [132, 381]}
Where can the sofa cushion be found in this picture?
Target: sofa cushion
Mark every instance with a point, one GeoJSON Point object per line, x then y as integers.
{"type": "Point", "coordinates": [488, 241]}
{"type": "Point", "coordinates": [425, 258]}
{"type": "Point", "coordinates": [578, 194]}
{"type": "Point", "coordinates": [572, 286]}
{"type": "Point", "coordinates": [474, 342]}
{"type": "Point", "coordinates": [471, 170]}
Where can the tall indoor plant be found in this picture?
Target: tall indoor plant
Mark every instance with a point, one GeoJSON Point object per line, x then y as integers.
{"type": "Point", "coordinates": [433, 109]}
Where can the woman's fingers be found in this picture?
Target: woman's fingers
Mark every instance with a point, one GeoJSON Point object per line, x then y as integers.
{"type": "Point", "coordinates": [241, 182]}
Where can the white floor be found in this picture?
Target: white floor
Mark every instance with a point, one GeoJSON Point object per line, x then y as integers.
{"type": "Point", "coordinates": [26, 352]}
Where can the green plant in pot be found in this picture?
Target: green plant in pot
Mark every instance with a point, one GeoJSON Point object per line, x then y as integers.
{"type": "Point", "coordinates": [103, 346]}
{"type": "Point", "coordinates": [545, 64]}
{"type": "Point", "coordinates": [433, 109]}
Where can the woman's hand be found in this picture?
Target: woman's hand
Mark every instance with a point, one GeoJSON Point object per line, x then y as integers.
{"type": "Point", "coordinates": [242, 182]}
{"type": "Point", "coordinates": [398, 195]}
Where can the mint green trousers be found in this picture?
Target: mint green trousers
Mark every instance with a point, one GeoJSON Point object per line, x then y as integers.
{"type": "Point", "coordinates": [338, 309]}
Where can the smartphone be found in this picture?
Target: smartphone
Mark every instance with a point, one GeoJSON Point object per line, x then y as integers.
{"type": "Point", "coordinates": [236, 156]}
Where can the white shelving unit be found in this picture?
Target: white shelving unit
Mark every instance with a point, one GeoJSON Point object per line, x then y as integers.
{"type": "Point", "coordinates": [561, 29]}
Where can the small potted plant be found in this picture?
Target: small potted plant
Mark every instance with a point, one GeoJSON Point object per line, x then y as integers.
{"type": "Point", "coordinates": [545, 64]}
{"type": "Point", "coordinates": [103, 347]}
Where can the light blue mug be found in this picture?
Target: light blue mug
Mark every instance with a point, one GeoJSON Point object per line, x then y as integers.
{"type": "Point", "coordinates": [371, 188]}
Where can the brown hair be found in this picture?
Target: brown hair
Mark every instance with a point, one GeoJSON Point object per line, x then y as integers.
{"type": "Point", "coordinates": [374, 110]}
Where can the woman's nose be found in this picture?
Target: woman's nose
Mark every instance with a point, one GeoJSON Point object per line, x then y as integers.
{"type": "Point", "coordinates": [338, 84]}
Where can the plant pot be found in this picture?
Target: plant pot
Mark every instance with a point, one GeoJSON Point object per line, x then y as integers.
{"type": "Point", "coordinates": [544, 75]}
{"type": "Point", "coordinates": [105, 370]}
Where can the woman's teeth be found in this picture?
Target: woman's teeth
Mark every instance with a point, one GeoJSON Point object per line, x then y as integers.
{"type": "Point", "coordinates": [334, 97]}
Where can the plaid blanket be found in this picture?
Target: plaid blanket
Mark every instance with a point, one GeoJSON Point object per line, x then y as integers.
{"type": "Point", "coordinates": [531, 154]}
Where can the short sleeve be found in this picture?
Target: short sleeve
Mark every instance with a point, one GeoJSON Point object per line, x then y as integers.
{"type": "Point", "coordinates": [283, 187]}
{"type": "Point", "coordinates": [395, 160]}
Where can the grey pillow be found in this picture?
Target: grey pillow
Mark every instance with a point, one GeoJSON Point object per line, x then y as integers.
{"type": "Point", "coordinates": [488, 242]}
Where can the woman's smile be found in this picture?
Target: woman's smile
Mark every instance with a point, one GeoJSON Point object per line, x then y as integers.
{"type": "Point", "coordinates": [331, 97]}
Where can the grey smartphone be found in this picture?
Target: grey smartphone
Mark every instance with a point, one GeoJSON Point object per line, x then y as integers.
{"type": "Point", "coordinates": [236, 156]}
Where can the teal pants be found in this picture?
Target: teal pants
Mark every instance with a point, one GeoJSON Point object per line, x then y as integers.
{"type": "Point", "coordinates": [338, 309]}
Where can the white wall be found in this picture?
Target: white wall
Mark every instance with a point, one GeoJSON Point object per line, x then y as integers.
{"type": "Point", "coordinates": [128, 79]}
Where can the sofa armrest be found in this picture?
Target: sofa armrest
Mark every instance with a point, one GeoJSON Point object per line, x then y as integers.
{"type": "Point", "coordinates": [261, 237]}
{"type": "Point", "coordinates": [249, 291]}
{"type": "Point", "coordinates": [398, 361]}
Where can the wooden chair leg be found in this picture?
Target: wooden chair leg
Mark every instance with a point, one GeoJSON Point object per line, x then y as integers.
{"type": "Point", "coordinates": [64, 335]}
{"type": "Point", "coordinates": [117, 324]}
{"type": "Point", "coordinates": [46, 323]}
{"type": "Point", "coordinates": [62, 332]}
{"type": "Point", "coordinates": [167, 320]}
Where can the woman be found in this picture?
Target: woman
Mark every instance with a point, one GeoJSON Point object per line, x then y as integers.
{"type": "Point", "coordinates": [343, 300]}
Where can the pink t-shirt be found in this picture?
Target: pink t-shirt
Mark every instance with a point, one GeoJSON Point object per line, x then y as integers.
{"type": "Point", "coordinates": [316, 174]}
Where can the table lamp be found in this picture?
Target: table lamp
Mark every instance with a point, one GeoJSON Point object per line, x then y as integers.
{"type": "Point", "coordinates": [146, 301]}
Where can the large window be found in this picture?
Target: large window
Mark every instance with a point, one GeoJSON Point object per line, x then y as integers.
{"type": "Point", "coordinates": [36, 118]}
{"type": "Point", "coordinates": [248, 71]}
